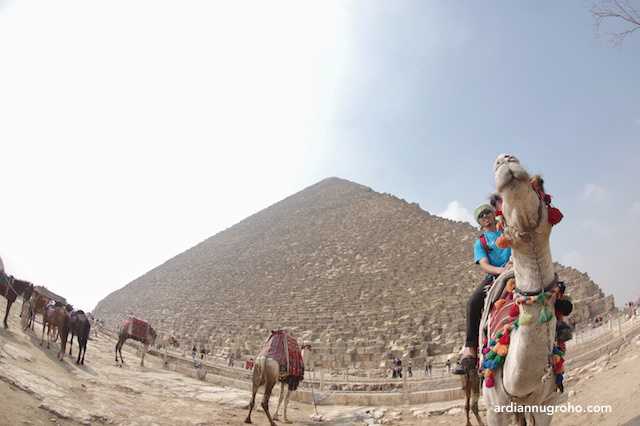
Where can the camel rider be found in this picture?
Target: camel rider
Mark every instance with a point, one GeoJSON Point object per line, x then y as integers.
{"type": "Point", "coordinates": [493, 260]}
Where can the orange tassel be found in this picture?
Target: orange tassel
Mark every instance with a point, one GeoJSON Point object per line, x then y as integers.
{"type": "Point", "coordinates": [501, 349]}
{"type": "Point", "coordinates": [503, 242]}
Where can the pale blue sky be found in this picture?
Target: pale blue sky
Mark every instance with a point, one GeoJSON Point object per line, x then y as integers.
{"type": "Point", "coordinates": [130, 131]}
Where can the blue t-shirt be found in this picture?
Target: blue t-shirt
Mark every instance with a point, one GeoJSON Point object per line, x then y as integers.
{"type": "Point", "coordinates": [497, 256]}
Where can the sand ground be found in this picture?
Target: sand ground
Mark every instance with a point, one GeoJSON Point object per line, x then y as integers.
{"type": "Point", "coordinates": [38, 389]}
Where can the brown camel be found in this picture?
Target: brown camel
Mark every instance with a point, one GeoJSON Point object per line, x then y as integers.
{"type": "Point", "coordinates": [37, 302]}
{"type": "Point", "coordinates": [55, 319]}
{"type": "Point", "coordinates": [280, 360]}
{"type": "Point", "coordinates": [136, 329]}
{"type": "Point", "coordinates": [10, 288]}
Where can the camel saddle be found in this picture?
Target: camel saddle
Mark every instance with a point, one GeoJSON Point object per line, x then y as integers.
{"type": "Point", "coordinates": [494, 319]}
{"type": "Point", "coordinates": [136, 328]}
{"type": "Point", "coordinates": [283, 348]}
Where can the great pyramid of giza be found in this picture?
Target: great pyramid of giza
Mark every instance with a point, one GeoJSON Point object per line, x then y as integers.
{"type": "Point", "coordinates": [361, 274]}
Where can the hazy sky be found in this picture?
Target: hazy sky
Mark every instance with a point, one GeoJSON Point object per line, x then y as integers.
{"type": "Point", "coordinates": [131, 131]}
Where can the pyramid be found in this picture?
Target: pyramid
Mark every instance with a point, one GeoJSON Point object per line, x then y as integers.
{"type": "Point", "coordinates": [362, 275]}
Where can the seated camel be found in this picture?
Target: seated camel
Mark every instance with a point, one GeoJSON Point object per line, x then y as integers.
{"type": "Point", "coordinates": [280, 360]}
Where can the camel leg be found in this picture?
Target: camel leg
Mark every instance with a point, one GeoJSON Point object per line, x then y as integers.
{"type": "Point", "coordinates": [71, 344]}
{"type": "Point", "coordinates": [541, 419]}
{"type": "Point", "coordinates": [6, 314]}
{"type": "Point", "coordinates": [474, 408]}
{"type": "Point", "coordinates": [466, 386]}
{"type": "Point", "coordinates": [48, 335]}
{"type": "Point", "coordinates": [44, 324]}
{"type": "Point", "coordinates": [268, 388]}
{"type": "Point", "coordinates": [286, 403]}
{"type": "Point", "coordinates": [275, 416]}
{"type": "Point", "coordinates": [84, 347]}
{"type": "Point", "coordinates": [254, 391]}
{"type": "Point", "coordinates": [498, 419]}
{"type": "Point", "coordinates": [119, 349]}
{"type": "Point", "coordinates": [144, 351]}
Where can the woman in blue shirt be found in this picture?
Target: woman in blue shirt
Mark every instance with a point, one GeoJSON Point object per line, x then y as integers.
{"type": "Point", "coordinates": [493, 260]}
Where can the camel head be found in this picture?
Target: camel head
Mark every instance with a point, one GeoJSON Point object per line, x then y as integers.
{"type": "Point", "coordinates": [522, 208]}
{"type": "Point", "coordinates": [528, 228]}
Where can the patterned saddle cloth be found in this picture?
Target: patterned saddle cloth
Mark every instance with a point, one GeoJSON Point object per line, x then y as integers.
{"type": "Point", "coordinates": [136, 328]}
{"type": "Point", "coordinates": [285, 350]}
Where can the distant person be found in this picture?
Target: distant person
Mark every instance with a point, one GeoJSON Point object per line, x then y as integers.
{"type": "Point", "coordinates": [409, 368]}
{"type": "Point", "coordinates": [427, 368]}
{"type": "Point", "coordinates": [194, 352]}
{"type": "Point", "coordinates": [448, 365]}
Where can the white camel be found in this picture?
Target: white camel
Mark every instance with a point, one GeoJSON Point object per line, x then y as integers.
{"type": "Point", "coordinates": [526, 378]}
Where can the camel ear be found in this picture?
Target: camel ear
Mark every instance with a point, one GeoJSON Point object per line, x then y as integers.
{"type": "Point", "coordinates": [537, 183]}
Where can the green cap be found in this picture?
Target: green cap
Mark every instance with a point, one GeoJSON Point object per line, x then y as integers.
{"type": "Point", "coordinates": [481, 209]}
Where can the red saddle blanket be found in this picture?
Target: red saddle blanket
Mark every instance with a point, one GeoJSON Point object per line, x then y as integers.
{"type": "Point", "coordinates": [503, 311]}
{"type": "Point", "coordinates": [274, 348]}
{"type": "Point", "coordinates": [136, 328]}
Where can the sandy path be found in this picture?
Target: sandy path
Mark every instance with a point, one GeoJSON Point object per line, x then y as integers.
{"type": "Point", "coordinates": [39, 389]}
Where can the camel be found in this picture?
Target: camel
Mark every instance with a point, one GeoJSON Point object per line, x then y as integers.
{"type": "Point", "coordinates": [266, 371]}
{"type": "Point", "coordinates": [37, 304]}
{"type": "Point", "coordinates": [10, 288]}
{"type": "Point", "coordinates": [526, 376]}
{"type": "Point", "coordinates": [55, 319]}
{"type": "Point", "coordinates": [165, 342]}
{"type": "Point", "coordinates": [141, 331]}
{"type": "Point", "coordinates": [79, 326]}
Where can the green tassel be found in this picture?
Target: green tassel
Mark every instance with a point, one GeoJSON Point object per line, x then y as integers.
{"type": "Point", "coordinates": [540, 298]}
{"type": "Point", "coordinates": [498, 334]}
{"type": "Point", "coordinates": [491, 355]}
{"type": "Point", "coordinates": [545, 315]}
{"type": "Point", "coordinates": [498, 359]}
{"type": "Point", "coordinates": [516, 324]}
{"type": "Point", "coordinates": [525, 318]}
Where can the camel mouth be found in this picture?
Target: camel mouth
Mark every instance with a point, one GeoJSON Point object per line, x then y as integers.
{"type": "Point", "coordinates": [508, 170]}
